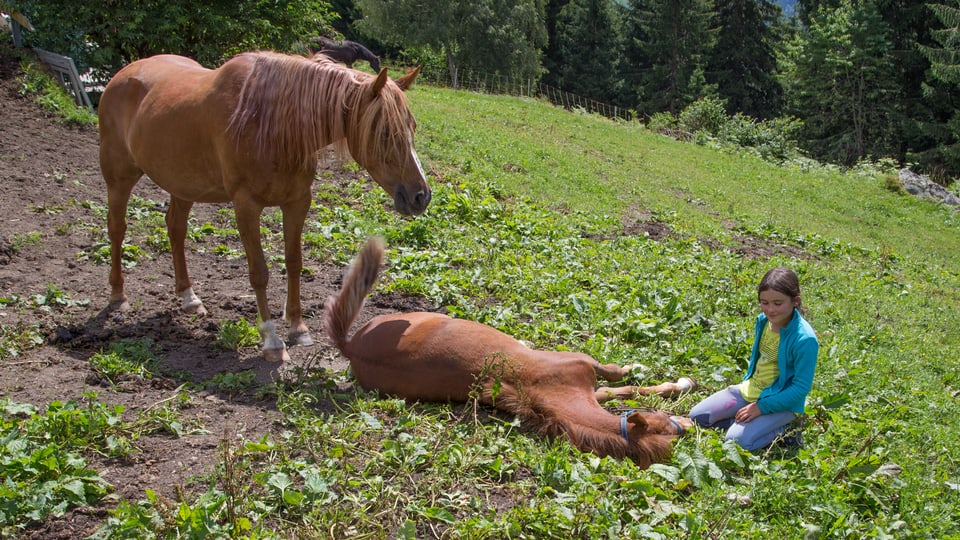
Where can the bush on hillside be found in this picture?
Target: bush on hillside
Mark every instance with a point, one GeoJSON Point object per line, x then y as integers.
{"type": "Point", "coordinates": [706, 122]}
{"type": "Point", "coordinates": [706, 115]}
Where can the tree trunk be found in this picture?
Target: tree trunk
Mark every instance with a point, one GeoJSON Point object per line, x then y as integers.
{"type": "Point", "coordinates": [452, 67]}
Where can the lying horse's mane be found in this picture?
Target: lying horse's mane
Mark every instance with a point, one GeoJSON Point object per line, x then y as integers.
{"type": "Point", "coordinates": [649, 449]}
{"type": "Point", "coordinates": [299, 105]}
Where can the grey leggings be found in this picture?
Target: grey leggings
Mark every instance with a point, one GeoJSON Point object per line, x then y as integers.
{"type": "Point", "coordinates": [718, 411]}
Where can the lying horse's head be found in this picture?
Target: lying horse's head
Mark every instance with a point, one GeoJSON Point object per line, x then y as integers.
{"type": "Point", "coordinates": [382, 142]}
{"type": "Point", "coordinates": [648, 436]}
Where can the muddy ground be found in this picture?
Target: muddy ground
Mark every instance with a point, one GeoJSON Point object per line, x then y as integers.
{"type": "Point", "coordinates": [52, 217]}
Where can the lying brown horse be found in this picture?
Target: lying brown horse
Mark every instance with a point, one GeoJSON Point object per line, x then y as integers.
{"type": "Point", "coordinates": [249, 132]}
{"type": "Point", "coordinates": [433, 357]}
{"type": "Point", "coordinates": [346, 52]}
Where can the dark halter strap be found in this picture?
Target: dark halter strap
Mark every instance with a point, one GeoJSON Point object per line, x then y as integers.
{"type": "Point", "coordinates": [676, 425]}
{"type": "Point", "coordinates": [623, 424]}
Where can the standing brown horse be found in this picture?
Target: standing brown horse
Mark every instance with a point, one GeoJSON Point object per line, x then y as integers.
{"type": "Point", "coordinates": [433, 357]}
{"type": "Point", "coordinates": [249, 132]}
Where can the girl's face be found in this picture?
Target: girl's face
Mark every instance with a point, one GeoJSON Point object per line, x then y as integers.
{"type": "Point", "coordinates": [778, 307]}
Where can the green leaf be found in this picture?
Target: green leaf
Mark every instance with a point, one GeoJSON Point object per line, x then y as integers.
{"type": "Point", "coordinates": [280, 481]}
{"type": "Point", "coordinates": [438, 513]}
{"type": "Point", "coordinates": [835, 401]}
{"type": "Point", "coordinates": [371, 421]}
{"type": "Point", "coordinates": [667, 472]}
{"type": "Point", "coordinates": [11, 408]}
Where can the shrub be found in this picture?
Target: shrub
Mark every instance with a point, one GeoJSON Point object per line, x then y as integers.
{"type": "Point", "coordinates": [706, 114]}
{"type": "Point", "coordinates": [774, 140]}
{"type": "Point", "coordinates": [663, 122]}
{"type": "Point", "coordinates": [106, 38]}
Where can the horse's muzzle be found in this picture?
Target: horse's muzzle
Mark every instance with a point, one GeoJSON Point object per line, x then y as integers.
{"type": "Point", "coordinates": [411, 204]}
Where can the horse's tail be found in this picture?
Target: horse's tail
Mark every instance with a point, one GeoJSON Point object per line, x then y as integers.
{"type": "Point", "coordinates": [341, 310]}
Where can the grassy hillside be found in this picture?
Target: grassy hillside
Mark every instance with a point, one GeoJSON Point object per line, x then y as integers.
{"type": "Point", "coordinates": [540, 227]}
{"type": "Point", "coordinates": [880, 272]}
{"type": "Point", "coordinates": [587, 163]}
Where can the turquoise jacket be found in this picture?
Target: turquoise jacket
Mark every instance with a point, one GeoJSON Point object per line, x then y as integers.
{"type": "Point", "coordinates": [797, 359]}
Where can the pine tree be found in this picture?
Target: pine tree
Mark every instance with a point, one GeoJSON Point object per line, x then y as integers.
{"type": "Point", "coordinates": [840, 81]}
{"type": "Point", "coordinates": [503, 37]}
{"type": "Point", "coordinates": [589, 50]}
{"type": "Point", "coordinates": [674, 38]}
{"type": "Point", "coordinates": [634, 64]}
{"type": "Point", "coordinates": [945, 60]}
{"type": "Point", "coordinates": [743, 63]}
{"type": "Point", "coordinates": [943, 160]}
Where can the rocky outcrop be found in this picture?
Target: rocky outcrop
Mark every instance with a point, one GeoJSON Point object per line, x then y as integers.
{"type": "Point", "coordinates": [923, 187]}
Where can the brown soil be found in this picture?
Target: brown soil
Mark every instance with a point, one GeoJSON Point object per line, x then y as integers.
{"type": "Point", "coordinates": [51, 193]}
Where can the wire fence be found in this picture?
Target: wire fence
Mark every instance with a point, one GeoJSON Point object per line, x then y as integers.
{"type": "Point", "coordinates": [497, 84]}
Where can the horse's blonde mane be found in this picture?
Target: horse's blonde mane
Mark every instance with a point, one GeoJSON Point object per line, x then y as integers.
{"type": "Point", "coordinates": [296, 106]}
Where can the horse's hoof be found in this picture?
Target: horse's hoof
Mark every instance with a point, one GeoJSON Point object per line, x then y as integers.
{"type": "Point", "coordinates": [192, 305]}
{"type": "Point", "coordinates": [121, 306]}
{"type": "Point", "coordinates": [686, 384]}
{"type": "Point", "coordinates": [276, 355]}
{"type": "Point", "coordinates": [197, 309]}
{"type": "Point", "coordinates": [300, 338]}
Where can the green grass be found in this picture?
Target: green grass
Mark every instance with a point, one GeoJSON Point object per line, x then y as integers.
{"type": "Point", "coordinates": [532, 230]}
{"type": "Point", "coordinates": [36, 81]}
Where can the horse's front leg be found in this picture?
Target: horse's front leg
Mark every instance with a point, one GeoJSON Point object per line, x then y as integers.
{"type": "Point", "coordinates": [610, 372]}
{"type": "Point", "coordinates": [615, 372]}
{"type": "Point", "coordinates": [176, 220]}
{"type": "Point", "coordinates": [294, 216]}
{"type": "Point", "coordinates": [248, 224]}
{"type": "Point", "coordinates": [664, 390]}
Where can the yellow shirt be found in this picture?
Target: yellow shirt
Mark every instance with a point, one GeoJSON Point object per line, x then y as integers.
{"type": "Point", "coordinates": [767, 369]}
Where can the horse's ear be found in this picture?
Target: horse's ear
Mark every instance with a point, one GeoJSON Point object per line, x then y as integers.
{"type": "Point", "coordinates": [379, 83]}
{"type": "Point", "coordinates": [638, 420]}
{"type": "Point", "coordinates": [406, 81]}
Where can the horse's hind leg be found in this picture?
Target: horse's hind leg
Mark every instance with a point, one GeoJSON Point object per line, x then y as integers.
{"type": "Point", "coordinates": [176, 219]}
{"type": "Point", "coordinates": [116, 230]}
{"type": "Point", "coordinates": [294, 216]}
{"type": "Point", "coordinates": [248, 224]}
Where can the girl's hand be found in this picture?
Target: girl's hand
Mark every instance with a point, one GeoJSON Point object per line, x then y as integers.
{"type": "Point", "coordinates": [748, 413]}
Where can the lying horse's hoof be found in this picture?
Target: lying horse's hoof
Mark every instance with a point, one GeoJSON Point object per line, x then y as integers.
{"type": "Point", "coordinates": [682, 424]}
{"type": "Point", "coordinates": [686, 384]}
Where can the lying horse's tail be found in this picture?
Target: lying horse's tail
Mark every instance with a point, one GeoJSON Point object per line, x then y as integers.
{"type": "Point", "coordinates": [341, 310]}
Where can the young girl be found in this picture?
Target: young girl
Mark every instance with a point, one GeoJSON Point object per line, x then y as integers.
{"type": "Point", "coordinates": [779, 375]}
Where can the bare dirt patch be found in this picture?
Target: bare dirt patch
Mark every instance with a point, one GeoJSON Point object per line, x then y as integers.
{"type": "Point", "coordinates": [52, 212]}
